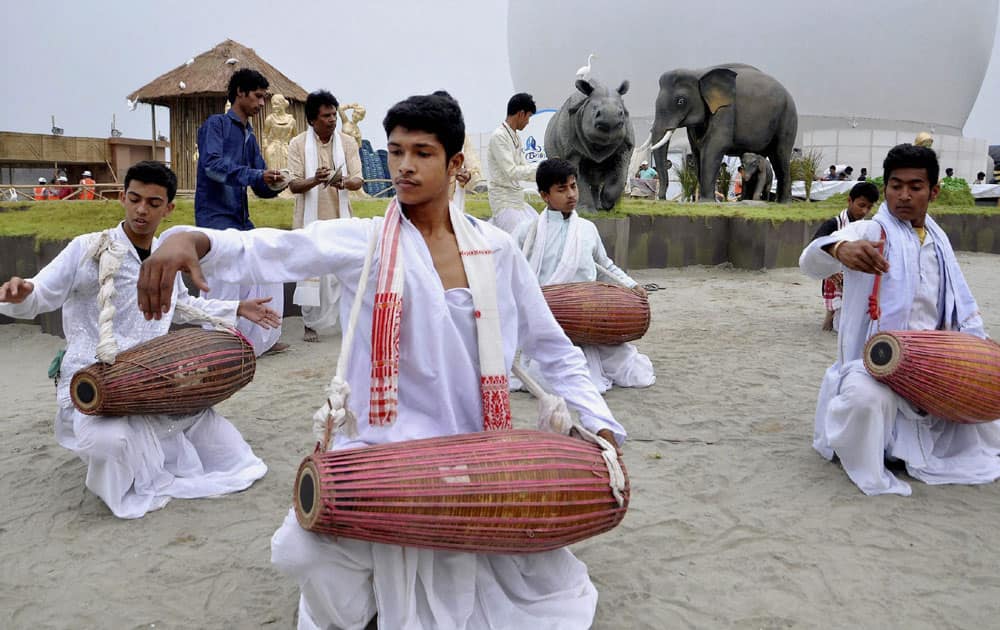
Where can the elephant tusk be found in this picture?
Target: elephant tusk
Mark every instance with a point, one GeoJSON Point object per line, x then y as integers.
{"type": "Point", "coordinates": [664, 140]}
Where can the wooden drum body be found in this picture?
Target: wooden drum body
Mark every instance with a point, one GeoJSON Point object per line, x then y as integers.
{"type": "Point", "coordinates": [181, 372]}
{"type": "Point", "coordinates": [506, 492]}
{"type": "Point", "coordinates": [950, 375]}
{"type": "Point", "coordinates": [596, 313]}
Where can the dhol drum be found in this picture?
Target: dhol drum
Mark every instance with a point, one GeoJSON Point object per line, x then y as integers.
{"type": "Point", "coordinates": [181, 372]}
{"type": "Point", "coordinates": [506, 492]}
{"type": "Point", "coordinates": [949, 374]}
{"type": "Point", "coordinates": [597, 313]}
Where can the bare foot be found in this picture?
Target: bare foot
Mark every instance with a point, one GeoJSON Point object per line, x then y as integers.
{"type": "Point", "coordinates": [312, 336]}
{"type": "Point", "coordinates": [277, 348]}
{"type": "Point", "coordinates": [828, 321]}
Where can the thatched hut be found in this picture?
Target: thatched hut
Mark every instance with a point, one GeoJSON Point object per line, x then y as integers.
{"type": "Point", "coordinates": [197, 89]}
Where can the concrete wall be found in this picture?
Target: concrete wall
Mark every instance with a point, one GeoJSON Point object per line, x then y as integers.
{"type": "Point", "coordinates": [635, 242]}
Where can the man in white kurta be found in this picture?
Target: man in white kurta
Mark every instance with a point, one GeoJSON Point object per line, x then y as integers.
{"type": "Point", "coordinates": [441, 389]}
{"type": "Point", "coordinates": [858, 419]}
{"type": "Point", "coordinates": [135, 464]}
{"type": "Point", "coordinates": [563, 247]}
{"type": "Point", "coordinates": [324, 165]}
{"type": "Point", "coordinates": [508, 168]}
{"type": "Point", "coordinates": [438, 395]}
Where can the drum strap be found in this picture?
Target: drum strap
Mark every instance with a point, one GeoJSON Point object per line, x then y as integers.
{"type": "Point", "coordinates": [335, 414]}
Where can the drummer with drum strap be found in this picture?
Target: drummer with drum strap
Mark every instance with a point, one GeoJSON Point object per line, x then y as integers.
{"type": "Point", "coordinates": [900, 274]}
{"type": "Point", "coordinates": [93, 281]}
{"type": "Point", "coordinates": [445, 300]}
{"type": "Point", "coordinates": [563, 247]}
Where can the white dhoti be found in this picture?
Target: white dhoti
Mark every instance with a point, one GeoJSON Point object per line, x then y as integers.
{"type": "Point", "coordinates": [327, 314]}
{"type": "Point", "coordinates": [509, 217]}
{"type": "Point", "coordinates": [622, 365]}
{"type": "Point", "coordinates": [866, 422]}
{"type": "Point", "coordinates": [136, 464]}
{"type": "Point", "coordinates": [344, 582]}
{"type": "Point", "coordinates": [261, 338]}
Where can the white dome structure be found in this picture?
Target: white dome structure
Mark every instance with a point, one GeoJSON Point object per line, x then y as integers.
{"type": "Point", "coordinates": [865, 75]}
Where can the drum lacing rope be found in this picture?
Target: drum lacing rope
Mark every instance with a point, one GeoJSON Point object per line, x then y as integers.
{"type": "Point", "coordinates": [335, 415]}
{"type": "Point", "coordinates": [554, 416]}
{"type": "Point", "coordinates": [109, 253]}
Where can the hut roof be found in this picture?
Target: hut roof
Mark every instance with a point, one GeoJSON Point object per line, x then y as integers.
{"type": "Point", "coordinates": [208, 74]}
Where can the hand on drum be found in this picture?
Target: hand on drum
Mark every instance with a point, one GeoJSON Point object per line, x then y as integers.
{"type": "Point", "coordinates": [178, 252]}
{"type": "Point", "coordinates": [864, 256]}
{"type": "Point", "coordinates": [640, 290]}
{"type": "Point", "coordinates": [255, 311]}
{"type": "Point", "coordinates": [15, 290]}
{"type": "Point", "coordinates": [604, 433]}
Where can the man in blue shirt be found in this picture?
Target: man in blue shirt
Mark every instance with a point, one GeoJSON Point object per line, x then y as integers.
{"type": "Point", "coordinates": [229, 160]}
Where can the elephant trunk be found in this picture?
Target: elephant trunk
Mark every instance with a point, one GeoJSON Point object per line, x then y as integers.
{"type": "Point", "coordinates": [659, 139]}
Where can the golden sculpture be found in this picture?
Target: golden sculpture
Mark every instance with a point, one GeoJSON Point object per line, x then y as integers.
{"type": "Point", "coordinates": [350, 125]}
{"type": "Point", "coordinates": [279, 129]}
{"type": "Point", "coordinates": [924, 139]}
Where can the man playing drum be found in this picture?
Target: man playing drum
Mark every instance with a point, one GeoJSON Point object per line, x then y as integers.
{"type": "Point", "coordinates": [563, 247]}
{"type": "Point", "coordinates": [449, 298]}
{"type": "Point", "coordinates": [135, 464]}
{"type": "Point", "coordinates": [858, 419]}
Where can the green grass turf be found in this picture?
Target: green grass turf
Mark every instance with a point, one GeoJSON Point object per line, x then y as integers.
{"type": "Point", "coordinates": [48, 221]}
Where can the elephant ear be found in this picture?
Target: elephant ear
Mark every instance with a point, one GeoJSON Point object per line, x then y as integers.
{"type": "Point", "coordinates": [718, 88]}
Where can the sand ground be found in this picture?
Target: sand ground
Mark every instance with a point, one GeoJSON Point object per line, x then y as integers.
{"type": "Point", "coordinates": [735, 521]}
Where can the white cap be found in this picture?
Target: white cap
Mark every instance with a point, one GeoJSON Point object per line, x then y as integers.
{"type": "Point", "coordinates": [644, 162]}
{"type": "Point", "coordinates": [42, 180]}
{"type": "Point", "coordinates": [62, 178]}
{"type": "Point", "coordinates": [86, 173]}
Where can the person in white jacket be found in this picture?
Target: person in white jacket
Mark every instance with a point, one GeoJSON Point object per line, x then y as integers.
{"type": "Point", "coordinates": [859, 419]}
{"type": "Point", "coordinates": [508, 167]}
{"type": "Point", "coordinates": [561, 247]}
{"type": "Point", "coordinates": [135, 463]}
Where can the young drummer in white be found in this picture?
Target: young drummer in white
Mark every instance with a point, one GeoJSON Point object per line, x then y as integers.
{"type": "Point", "coordinates": [858, 419]}
{"type": "Point", "coordinates": [135, 463]}
{"type": "Point", "coordinates": [455, 299]}
{"type": "Point", "coordinates": [563, 247]}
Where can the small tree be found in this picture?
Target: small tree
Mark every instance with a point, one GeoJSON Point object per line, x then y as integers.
{"type": "Point", "coordinates": [725, 178]}
{"type": "Point", "coordinates": [687, 175]}
{"type": "Point", "coordinates": [805, 167]}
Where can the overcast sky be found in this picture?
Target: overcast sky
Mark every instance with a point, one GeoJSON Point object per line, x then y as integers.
{"type": "Point", "coordinates": [78, 61]}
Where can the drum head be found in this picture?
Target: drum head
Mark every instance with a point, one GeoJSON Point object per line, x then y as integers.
{"type": "Point", "coordinates": [307, 499]}
{"type": "Point", "coordinates": [882, 354]}
{"type": "Point", "coordinates": [85, 392]}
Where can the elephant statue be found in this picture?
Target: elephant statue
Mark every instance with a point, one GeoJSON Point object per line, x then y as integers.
{"type": "Point", "coordinates": [757, 177]}
{"type": "Point", "coordinates": [728, 110]}
{"type": "Point", "coordinates": [593, 131]}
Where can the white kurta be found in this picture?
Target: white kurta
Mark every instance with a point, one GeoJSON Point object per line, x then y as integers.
{"type": "Point", "coordinates": [507, 169]}
{"type": "Point", "coordinates": [134, 463]}
{"type": "Point", "coordinates": [261, 338]}
{"type": "Point", "coordinates": [861, 420]}
{"type": "Point", "coordinates": [438, 395]}
{"type": "Point", "coordinates": [620, 364]}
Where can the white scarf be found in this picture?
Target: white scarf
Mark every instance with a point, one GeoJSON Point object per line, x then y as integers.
{"type": "Point", "coordinates": [307, 291]}
{"type": "Point", "coordinates": [959, 310]}
{"type": "Point", "coordinates": [387, 313]}
{"type": "Point", "coordinates": [843, 219]}
{"type": "Point", "coordinates": [535, 243]}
